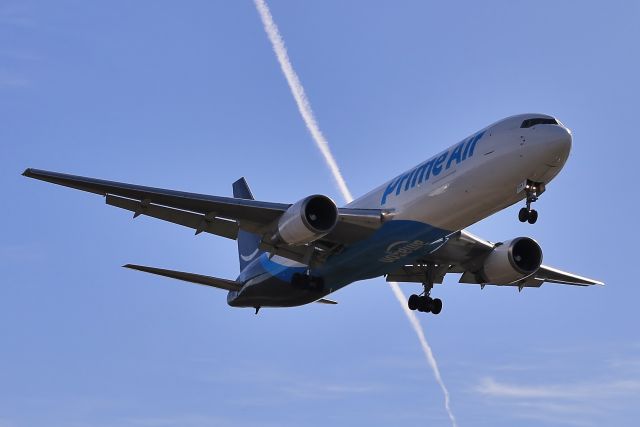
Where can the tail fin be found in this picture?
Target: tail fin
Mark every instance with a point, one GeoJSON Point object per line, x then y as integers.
{"type": "Point", "coordinates": [248, 243]}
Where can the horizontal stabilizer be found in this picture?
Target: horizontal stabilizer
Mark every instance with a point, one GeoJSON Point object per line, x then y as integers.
{"type": "Point", "coordinates": [229, 285]}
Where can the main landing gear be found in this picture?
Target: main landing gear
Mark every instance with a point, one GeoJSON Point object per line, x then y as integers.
{"type": "Point", "coordinates": [424, 302]}
{"type": "Point", "coordinates": [527, 214]}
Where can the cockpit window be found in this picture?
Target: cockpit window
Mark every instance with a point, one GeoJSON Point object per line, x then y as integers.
{"type": "Point", "coordinates": [538, 121]}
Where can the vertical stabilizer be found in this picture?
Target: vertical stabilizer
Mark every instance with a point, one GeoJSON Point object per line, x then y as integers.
{"type": "Point", "coordinates": [248, 243]}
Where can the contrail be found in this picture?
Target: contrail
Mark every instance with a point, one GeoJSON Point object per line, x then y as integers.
{"type": "Point", "coordinates": [299, 95]}
{"type": "Point", "coordinates": [417, 327]}
{"type": "Point", "coordinates": [312, 125]}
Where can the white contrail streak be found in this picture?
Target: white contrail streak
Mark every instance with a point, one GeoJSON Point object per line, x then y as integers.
{"type": "Point", "coordinates": [417, 327]}
{"type": "Point", "coordinates": [306, 112]}
{"type": "Point", "coordinates": [299, 95]}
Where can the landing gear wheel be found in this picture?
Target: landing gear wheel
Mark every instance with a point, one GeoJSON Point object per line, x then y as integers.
{"type": "Point", "coordinates": [533, 191]}
{"type": "Point", "coordinates": [425, 304]}
{"type": "Point", "coordinates": [523, 215]}
{"type": "Point", "coordinates": [414, 302]}
{"type": "Point", "coordinates": [436, 306]}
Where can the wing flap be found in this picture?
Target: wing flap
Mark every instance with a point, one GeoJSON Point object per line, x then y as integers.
{"type": "Point", "coordinates": [553, 275]}
{"type": "Point", "coordinates": [229, 285]}
{"type": "Point", "coordinates": [198, 222]}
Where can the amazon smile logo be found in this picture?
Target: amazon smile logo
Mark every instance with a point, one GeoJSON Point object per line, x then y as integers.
{"type": "Point", "coordinates": [401, 249]}
{"type": "Point", "coordinates": [247, 258]}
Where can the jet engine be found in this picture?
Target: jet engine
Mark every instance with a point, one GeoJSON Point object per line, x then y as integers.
{"type": "Point", "coordinates": [512, 260]}
{"type": "Point", "coordinates": [307, 220]}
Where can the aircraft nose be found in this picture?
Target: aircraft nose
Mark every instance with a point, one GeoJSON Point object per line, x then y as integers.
{"type": "Point", "coordinates": [558, 141]}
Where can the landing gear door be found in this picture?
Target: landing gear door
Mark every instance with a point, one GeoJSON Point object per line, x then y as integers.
{"type": "Point", "coordinates": [520, 188]}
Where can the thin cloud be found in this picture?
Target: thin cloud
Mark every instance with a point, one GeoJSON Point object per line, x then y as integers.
{"type": "Point", "coordinates": [183, 420]}
{"type": "Point", "coordinates": [11, 81]}
{"type": "Point", "coordinates": [310, 121]}
{"type": "Point", "coordinates": [559, 408]}
{"type": "Point", "coordinates": [490, 387]}
{"type": "Point", "coordinates": [577, 404]}
{"type": "Point", "coordinates": [310, 391]}
{"type": "Point", "coordinates": [629, 365]}
{"type": "Point", "coordinates": [541, 415]}
{"type": "Point", "coordinates": [277, 384]}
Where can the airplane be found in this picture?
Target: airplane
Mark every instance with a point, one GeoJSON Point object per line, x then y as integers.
{"type": "Point", "coordinates": [409, 229]}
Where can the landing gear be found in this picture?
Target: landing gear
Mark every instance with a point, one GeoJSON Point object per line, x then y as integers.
{"type": "Point", "coordinates": [533, 190]}
{"type": "Point", "coordinates": [423, 302]}
{"type": "Point", "coordinates": [530, 216]}
{"type": "Point", "coordinates": [436, 306]}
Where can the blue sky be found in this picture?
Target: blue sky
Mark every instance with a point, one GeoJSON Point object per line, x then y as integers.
{"type": "Point", "coordinates": [188, 95]}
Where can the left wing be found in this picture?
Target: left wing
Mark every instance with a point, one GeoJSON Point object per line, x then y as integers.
{"type": "Point", "coordinates": [462, 252]}
{"type": "Point", "coordinates": [222, 216]}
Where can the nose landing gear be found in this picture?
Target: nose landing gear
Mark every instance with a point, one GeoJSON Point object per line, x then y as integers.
{"type": "Point", "coordinates": [528, 215]}
{"type": "Point", "coordinates": [533, 191]}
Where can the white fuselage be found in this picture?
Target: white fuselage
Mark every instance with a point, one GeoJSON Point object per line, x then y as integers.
{"type": "Point", "coordinates": [465, 191]}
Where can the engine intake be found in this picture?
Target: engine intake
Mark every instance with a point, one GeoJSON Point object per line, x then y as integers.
{"type": "Point", "coordinates": [512, 260]}
{"type": "Point", "coordinates": [308, 220]}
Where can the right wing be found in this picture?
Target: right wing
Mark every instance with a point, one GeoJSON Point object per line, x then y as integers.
{"type": "Point", "coordinates": [222, 216]}
{"type": "Point", "coordinates": [553, 275]}
{"type": "Point", "coordinates": [462, 252]}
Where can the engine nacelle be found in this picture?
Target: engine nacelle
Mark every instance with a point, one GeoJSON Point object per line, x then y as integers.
{"type": "Point", "coordinates": [512, 260]}
{"type": "Point", "coordinates": [308, 220]}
